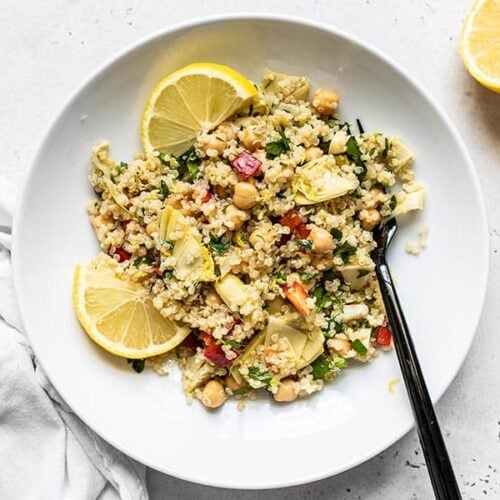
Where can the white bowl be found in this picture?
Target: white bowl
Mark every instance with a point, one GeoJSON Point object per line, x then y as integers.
{"type": "Point", "coordinates": [267, 445]}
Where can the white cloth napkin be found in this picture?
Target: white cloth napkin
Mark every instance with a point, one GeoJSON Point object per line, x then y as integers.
{"type": "Point", "coordinates": [46, 451]}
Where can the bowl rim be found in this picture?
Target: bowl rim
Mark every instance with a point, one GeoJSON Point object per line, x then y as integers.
{"type": "Point", "coordinates": [242, 17]}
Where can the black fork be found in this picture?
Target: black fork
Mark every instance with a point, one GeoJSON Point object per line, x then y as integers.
{"type": "Point", "coordinates": [439, 466]}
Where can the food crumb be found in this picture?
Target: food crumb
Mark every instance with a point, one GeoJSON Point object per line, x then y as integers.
{"type": "Point", "coordinates": [416, 248]}
{"type": "Point", "coordinates": [391, 385]}
{"type": "Point", "coordinates": [83, 118]}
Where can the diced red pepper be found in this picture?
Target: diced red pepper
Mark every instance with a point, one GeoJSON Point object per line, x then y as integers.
{"type": "Point", "coordinates": [206, 338]}
{"type": "Point", "coordinates": [246, 164]}
{"type": "Point", "coordinates": [207, 197]}
{"type": "Point", "coordinates": [125, 223]}
{"type": "Point", "coordinates": [384, 335]}
{"type": "Point", "coordinates": [297, 295]}
{"type": "Point", "coordinates": [292, 220]}
{"type": "Point", "coordinates": [123, 255]}
{"type": "Point", "coordinates": [216, 355]}
{"type": "Point", "coordinates": [191, 342]}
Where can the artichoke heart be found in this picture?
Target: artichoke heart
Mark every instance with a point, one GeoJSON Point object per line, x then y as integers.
{"type": "Point", "coordinates": [357, 275]}
{"type": "Point", "coordinates": [171, 221]}
{"type": "Point", "coordinates": [233, 291]}
{"type": "Point", "coordinates": [104, 163]}
{"type": "Point", "coordinates": [307, 344]}
{"type": "Point", "coordinates": [319, 181]}
{"type": "Point", "coordinates": [411, 198]}
{"type": "Point", "coordinates": [193, 261]}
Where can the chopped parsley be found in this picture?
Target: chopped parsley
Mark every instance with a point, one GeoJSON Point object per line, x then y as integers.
{"type": "Point", "coordinates": [306, 244]}
{"type": "Point", "coordinates": [164, 161]}
{"type": "Point", "coordinates": [219, 245]}
{"type": "Point", "coordinates": [142, 260]}
{"type": "Point", "coordinates": [164, 191]}
{"type": "Point", "coordinates": [242, 391]}
{"type": "Point", "coordinates": [280, 277]}
{"type": "Point", "coordinates": [336, 233]}
{"type": "Point", "coordinates": [354, 154]}
{"type": "Point", "coordinates": [324, 145]}
{"type": "Point", "coordinates": [386, 149]}
{"type": "Point", "coordinates": [363, 272]}
{"type": "Point", "coordinates": [324, 300]}
{"type": "Point", "coordinates": [231, 343]}
{"type": "Point", "coordinates": [137, 364]}
{"type": "Point", "coordinates": [322, 366]}
{"type": "Point", "coordinates": [359, 347]}
{"type": "Point", "coordinates": [393, 203]}
{"type": "Point", "coordinates": [189, 164]}
{"type": "Point", "coordinates": [122, 167]}
{"type": "Point", "coordinates": [167, 244]}
{"type": "Point", "coordinates": [256, 374]}
{"type": "Point", "coordinates": [275, 148]}
{"type": "Point", "coordinates": [345, 251]}
{"type": "Point", "coordinates": [308, 276]}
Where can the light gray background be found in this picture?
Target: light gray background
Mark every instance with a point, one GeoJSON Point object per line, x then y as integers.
{"type": "Point", "coordinates": [48, 47]}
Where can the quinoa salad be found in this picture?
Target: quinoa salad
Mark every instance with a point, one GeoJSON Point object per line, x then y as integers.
{"type": "Point", "coordinates": [257, 240]}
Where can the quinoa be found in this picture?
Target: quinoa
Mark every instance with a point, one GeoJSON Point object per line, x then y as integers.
{"type": "Point", "coordinates": [264, 300]}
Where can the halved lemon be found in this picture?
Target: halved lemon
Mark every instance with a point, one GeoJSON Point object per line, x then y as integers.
{"type": "Point", "coordinates": [119, 315]}
{"type": "Point", "coordinates": [480, 43]}
{"type": "Point", "coordinates": [197, 97]}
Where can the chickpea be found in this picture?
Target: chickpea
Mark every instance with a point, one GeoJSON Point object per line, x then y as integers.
{"type": "Point", "coordinates": [236, 216]}
{"type": "Point", "coordinates": [212, 298]}
{"type": "Point", "coordinates": [214, 143]}
{"type": "Point", "coordinates": [245, 195]}
{"type": "Point", "coordinates": [152, 227]}
{"type": "Point", "coordinates": [322, 239]}
{"type": "Point", "coordinates": [252, 140]}
{"type": "Point", "coordinates": [231, 383]}
{"type": "Point", "coordinates": [313, 153]}
{"type": "Point", "coordinates": [325, 101]}
{"type": "Point", "coordinates": [213, 394]}
{"type": "Point", "coordinates": [369, 218]}
{"type": "Point", "coordinates": [286, 391]}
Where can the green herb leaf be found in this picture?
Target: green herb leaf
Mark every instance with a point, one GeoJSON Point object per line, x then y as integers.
{"type": "Point", "coordinates": [256, 374]}
{"type": "Point", "coordinates": [307, 244]}
{"type": "Point", "coordinates": [164, 189]}
{"type": "Point", "coordinates": [359, 347]}
{"type": "Point", "coordinates": [165, 161]}
{"type": "Point", "coordinates": [354, 154]}
{"type": "Point", "coordinates": [345, 251]}
{"type": "Point", "coordinates": [275, 148]}
{"type": "Point", "coordinates": [308, 276]}
{"type": "Point", "coordinates": [189, 164]}
{"type": "Point", "coordinates": [393, 203]}
{"type": "Point", "coordinates": [281, 277]}
{"type": "Point", "coordinates": [324, 145]}
{"type": "Point", "coordinates": [219, 245]}
{"type": "Point", "coordinates": [322, 366]}
{"type": "Point", "coordinates": [231, 343]}
{"type": "Point", "coordinates": [363, 272]}
{"type": "Point", "coordinates": [122, 167]}
{"type": "Point", "coordinates": [242, 391]}
{"type": "Point", "coordinates": [336, 233]}
{"type": "Point", "coordinates": [167, 244]}
{"type": "Point", "coordinates": [142, 260]}
{"type": "Point", "coordinates": [333, 327]}
{"type": "Point", "coordinates": [340, 363]}
{"type": "Point", "coordinates": [386, 149]}
{"type": "Point", "coordinates": [137, 364]}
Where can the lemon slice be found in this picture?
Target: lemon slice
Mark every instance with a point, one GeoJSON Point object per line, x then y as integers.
{"type": "Point", "coordinates": [119, 315]}
{"type": "Point", "coordinates": [480, 44]}
{"type": "Point", "coordinates": [197, 97]}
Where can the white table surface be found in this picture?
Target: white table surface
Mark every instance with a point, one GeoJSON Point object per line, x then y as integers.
{"type": "Point", "coordinates": [48, 47]}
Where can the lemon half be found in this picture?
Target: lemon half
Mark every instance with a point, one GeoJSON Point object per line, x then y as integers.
{"type": "Point", "coordinates": [119, 315]}
{"type": "Point", "coordinates": [195, 98]}
{"type": "Point", "coordinates": [480, 43]}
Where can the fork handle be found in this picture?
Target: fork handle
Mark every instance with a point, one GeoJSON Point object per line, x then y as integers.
{"type": "Point", "coordinates": [439, 466]}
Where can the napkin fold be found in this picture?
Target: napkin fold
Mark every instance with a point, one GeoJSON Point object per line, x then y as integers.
{"type": "Point", "coordinates": [46, 451]}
